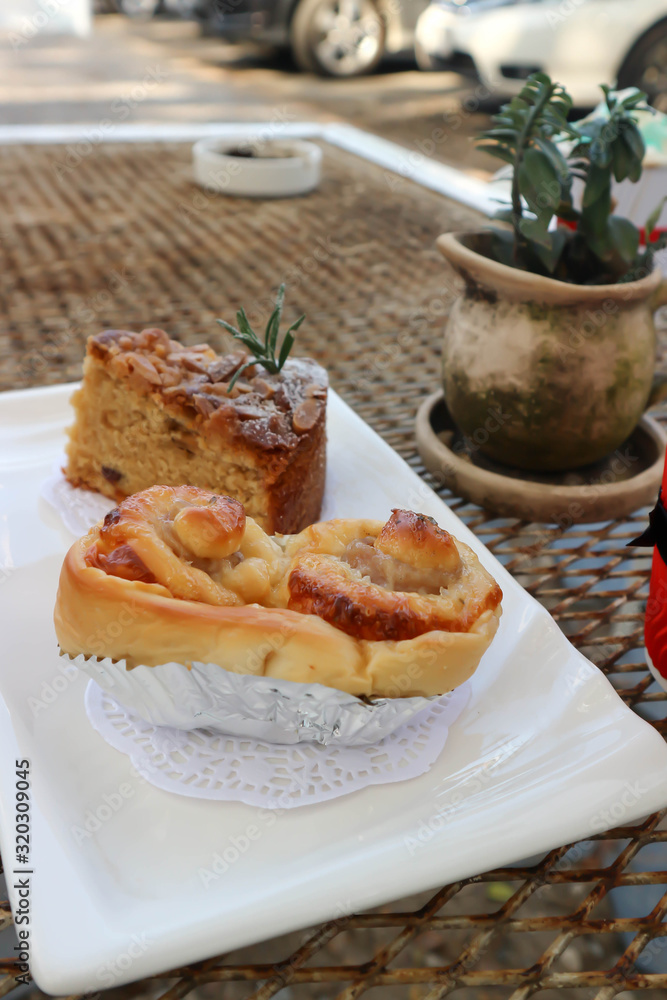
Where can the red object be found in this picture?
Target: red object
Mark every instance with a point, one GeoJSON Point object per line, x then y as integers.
{"type": "Point", "coordinates": [655, 626]}
{"type": "Point", "coordinates": [658, 231]}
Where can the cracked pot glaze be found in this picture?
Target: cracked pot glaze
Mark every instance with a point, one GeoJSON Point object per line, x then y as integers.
{"type": "Point", "coordinates": [541, 374]}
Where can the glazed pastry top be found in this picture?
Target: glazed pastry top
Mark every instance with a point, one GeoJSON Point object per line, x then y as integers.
{"type": "Point", "coordinates": [195, 545]}
{"type": "Point", "coordinates": [392, 581]}
{"type": "Point", "coordinates": [371, 580]}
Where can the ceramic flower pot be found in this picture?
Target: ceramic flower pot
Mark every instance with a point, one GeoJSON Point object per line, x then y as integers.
{"type": "Point", "coordinates": [541, 374]}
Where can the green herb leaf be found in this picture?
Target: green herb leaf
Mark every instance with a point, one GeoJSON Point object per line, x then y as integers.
{"type": "Point", "coordinates": [264, 353]}
{"type": "Point", "coordinates": [243, 323]}
{"type": "Point", "coordinates": [285, 349]}
{"type": "Point", "coordinates": [271, 334]}
{"type": "Point", "coordinates": [238, 373]}
{"type": "Point", "coordinates": [296, 324]}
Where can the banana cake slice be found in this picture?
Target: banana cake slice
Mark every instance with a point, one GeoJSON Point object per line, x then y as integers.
{"type": "Point", "coordinates": [151, 411]}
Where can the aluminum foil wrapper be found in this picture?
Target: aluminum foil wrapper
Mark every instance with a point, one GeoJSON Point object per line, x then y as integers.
{"type": "Point", "coordinates": [265, 708]}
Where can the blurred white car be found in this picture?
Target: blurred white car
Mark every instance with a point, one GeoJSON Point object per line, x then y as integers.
{"type": "Point", "coordinates": [580, 43]}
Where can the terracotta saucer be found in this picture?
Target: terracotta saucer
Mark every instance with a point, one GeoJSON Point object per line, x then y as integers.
{"type": "Point", "coordinates": [627, 479]}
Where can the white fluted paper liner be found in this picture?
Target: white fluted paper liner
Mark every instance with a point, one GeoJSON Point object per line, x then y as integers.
{"type": "Point", "coordinates": [265, 708]}
{"type": "Point", "coordinates": [207, 765]}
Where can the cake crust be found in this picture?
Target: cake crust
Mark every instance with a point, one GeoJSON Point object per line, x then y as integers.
{"type": "Point", "coordinates": [153, 411]}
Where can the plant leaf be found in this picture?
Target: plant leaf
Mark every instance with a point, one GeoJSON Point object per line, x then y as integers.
{"type": "Point", "coordinates": [229, 328]}
{"type": "Point", "coordinates": [597, 185]}
{"type": "Point", "coordinates": [271, 334]}
{"type": "Point", "coordinates": [541, 180]}
{"type": "Point", "coordinates": [296, 324]}
{"type": "Point", "coordinates": [243, 323]}
{"type": "Point", "coordinates": [555, 157]}
{"type": "Point", "coordinates": [264, 354]}
{"type": "Point", "coordinates": [621, 158]}
{"type": "Point", "coordinates": [249, 340]}
{"type": "Point", "coordinates": [495, 149]}
{"type": "Point", "coordinates": [599, 153]}
{"type": "Point", "coordinates": [633, 138]}
{"type": "Point", "coordinates": [547, 245]}
{"type": "Point", "coordinates": [286, 347]}
{"type": "Point", "coordinates": [239, 372]}
{"type": "Point", "coordinates": [652, 220]}
{"type": "Point", "coordinates": [534, 231]}
{"type": "Point", "coordinates": [551, 256]}
{"type": "Point", "coordinates": [271, 330]}
{"type": "Point", "coordinates": [635, 171]}
{"type": "Point", "coordinates": [625, 237]}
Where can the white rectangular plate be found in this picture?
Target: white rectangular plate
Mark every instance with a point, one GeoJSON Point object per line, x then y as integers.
{"type": "Point", "coordinates": [545, 753]}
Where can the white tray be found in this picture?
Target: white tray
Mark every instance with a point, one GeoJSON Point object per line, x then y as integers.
{"type": "Point", "coordinates": [545, 753]}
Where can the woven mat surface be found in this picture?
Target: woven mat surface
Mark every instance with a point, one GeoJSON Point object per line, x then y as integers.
{"type": "Point", "coordinates": [118, 236]}
{"type": "Point", "coordinates": [123, 238]}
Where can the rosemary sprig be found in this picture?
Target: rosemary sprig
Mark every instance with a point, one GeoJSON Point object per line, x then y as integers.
{"type": "Point", "coordinates": [263, 353]}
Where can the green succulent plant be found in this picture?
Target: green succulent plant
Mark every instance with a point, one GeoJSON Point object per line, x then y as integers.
{"type": "Point", "coordinates": [547, 152]}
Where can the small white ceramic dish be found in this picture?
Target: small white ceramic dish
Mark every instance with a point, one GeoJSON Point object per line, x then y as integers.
{"type": "Point", "coordinates": [130, 880]}
{"type": "Point", "coordinates": [272, 168]}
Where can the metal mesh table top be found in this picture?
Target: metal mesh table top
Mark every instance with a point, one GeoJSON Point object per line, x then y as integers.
{"type": "Point", "coordinates": [118, 236]}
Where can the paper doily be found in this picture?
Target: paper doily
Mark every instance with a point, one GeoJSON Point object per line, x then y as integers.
{"type": "Point", "coordinates": [79, 509]}
{"type": "Point", "coordinates": [206, 765]}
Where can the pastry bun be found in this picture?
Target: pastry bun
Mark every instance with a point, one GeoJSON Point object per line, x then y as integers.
{"type": "Point", "coordinates": [181, 574]}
